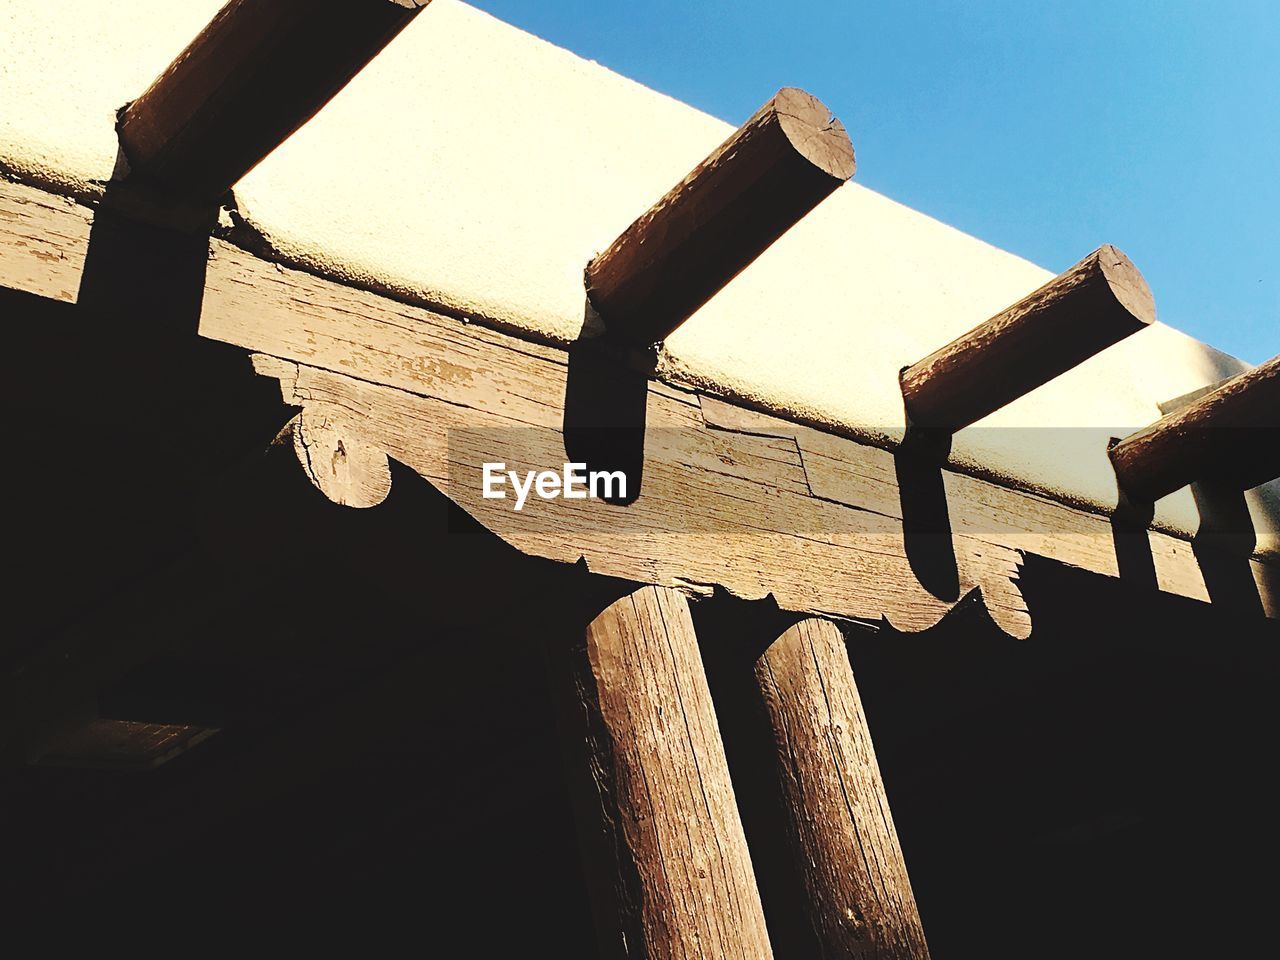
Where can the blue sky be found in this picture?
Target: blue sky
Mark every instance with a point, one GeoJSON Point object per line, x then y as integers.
{"type": "Point", "coordinates": [1045, 128]}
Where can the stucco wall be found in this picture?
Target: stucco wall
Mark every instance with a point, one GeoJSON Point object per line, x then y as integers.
{"type": "Point", "coordinates": [475, 167]}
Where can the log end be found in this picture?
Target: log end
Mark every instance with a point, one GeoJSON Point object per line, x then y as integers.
{"type": "Point", "coordinates": [814, 133]}
{"type": "Point", "coordinates": [346, 469]}
{"type": "Point", "coordinates": [1127, 284]}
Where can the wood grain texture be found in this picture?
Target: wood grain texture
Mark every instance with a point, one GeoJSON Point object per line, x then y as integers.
{"type": "Point", "coordinates": [1096, 303]}
{"type": "Point", "coordinates": [766, 505]}
{"type": "Point", "coordinates": [1230, 435]}
{"type": "Point", "coordinates": [715, 508]}
{"type": "Point", "coordinates": [124, 745]}
{"type": "Point", "coordinates": [344, 468]}
{"type": "Point", "coordinates": [709, 227]}
{"type": "Point", "coordinates": [256, 73]}
{"type": "Point", "coordinates": [841, 831]}
{"type": "Point", "coordinates": [672, 865]}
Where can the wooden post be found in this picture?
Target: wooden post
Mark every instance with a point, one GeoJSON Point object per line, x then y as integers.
{"type": "Point", "coordinates": [1230, 435]}
{"type": "Point", "coordinates": [671, 875]}
{"type": "Point", "coordinates": [253, 76]}
{"type": "Point", "coordinates": [838, 822]}
{"type": "Point", "coordinates": [753, 188]}
{"type": "Point", "coordinates": [1098, 302]}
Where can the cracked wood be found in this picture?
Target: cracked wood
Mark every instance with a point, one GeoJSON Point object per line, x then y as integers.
{"type": "Point", "coordinates": [254, 75]}
{"type": "Point", "coordinates": [1082, 311]}
{"type": "Point", "coordinates": [400, 378]}
{"type": "Point", "coordinates": [708, 228]}
{"type": "Point", "coordinates": [673, 876]}
{"type": "Point", "coordinates": [1230, 435]}
{"type": "Point", "coordinates": [841, 832]}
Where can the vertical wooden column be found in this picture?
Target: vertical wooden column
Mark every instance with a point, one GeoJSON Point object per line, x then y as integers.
{"type": "Point", "coordinates": [839, 826]}
{"type": "Point", "coordinates": [667, 857]}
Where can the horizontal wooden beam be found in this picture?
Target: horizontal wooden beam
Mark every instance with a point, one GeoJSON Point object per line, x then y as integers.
{"type": "Point", "coordinates": [1230, 435]}
{"type": "Point", "coordinates": [253, 76]}
{"type": "Point", "coordinates": [104, 744]}
{"type": "Point", "coordinates": [750, 191]}
{"type": "Point", "coordinates": [785, 480]}
{"type": "Point", "coordinates": [1098, 302]}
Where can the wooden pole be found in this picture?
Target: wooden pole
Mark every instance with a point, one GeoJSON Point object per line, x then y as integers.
{"type": "Point", "coordinates": [671, 875]}
{"type": "Point", "coordinates": [1230, 435]}
{"type": "Point", "coordinates": [838, 822]}
{"type": "Point", "coordinates": [750, 191]}
{"type": "Point", "coordinates": [254, 75]}
{"type": "Point", "coordinates": [1098, 302]}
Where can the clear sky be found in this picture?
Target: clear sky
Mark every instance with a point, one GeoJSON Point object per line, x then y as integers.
{"type": "Point", "coordinates": [1045, 127]}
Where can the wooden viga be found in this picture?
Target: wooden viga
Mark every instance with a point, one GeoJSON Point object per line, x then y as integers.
{"type": "Point", "coordinates": [1082, 311]}
{"type": "Point", "coordinates": [254, 75]}
{"type": "Point", "coordinates": [1229, 436]}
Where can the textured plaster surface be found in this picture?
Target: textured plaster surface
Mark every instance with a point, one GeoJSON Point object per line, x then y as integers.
{"type": "Point", "coordinates": [476, 168]}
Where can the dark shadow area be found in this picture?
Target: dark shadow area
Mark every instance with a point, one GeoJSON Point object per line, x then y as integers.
{"type": "Point", "coordinates": [1100, 790]}
{"type": "Point", "coordinates": [926, 524]}
{"type": "Point", "coordinates": [121, 413]}
{"type": "Point", "coordinates": [140, 277]}
{"type": "Point", "coordinates": [1066, 796]}
{"type": "Point", "coordinates": [1129, 535]}
{"type": "Point", "coordinates": [1223, 545]}
{"type": "Point", "coordinates": [733, 634]}
{"type": "Point", "coordinates": [388, 759]}
{"type": "Point", "coordinates": [1134, 559]}
{"type": "Point", "coordinates": [604, 412]}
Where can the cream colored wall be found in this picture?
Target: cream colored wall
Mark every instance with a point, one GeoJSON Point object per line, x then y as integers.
{"type": "Point", "coordinates": [474, 167]}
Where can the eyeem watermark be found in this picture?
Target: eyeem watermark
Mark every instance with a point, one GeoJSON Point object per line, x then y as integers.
{"type": "Point", "coordinates": [574, 482]}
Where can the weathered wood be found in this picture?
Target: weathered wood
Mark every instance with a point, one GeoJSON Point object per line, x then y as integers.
{"type": "Point", "coordinates": [754, 503]}
{"type": "Point", "coordinates": [1098, 302]}
{"type": "Point", "coordinates": [256, 73]}
{"type": "Point", "coordinates": [104, 744]}
{"type": "Point", "coordinates": [714, 508]}
{"type": "Point", "coordinates": [709, 227]}
{"type": "Point", "coordinates": [671, 872]}
{"type": "Point", "coordinates": [1230, 435]}
{"type": "Point", "coordinates": [839, 826]}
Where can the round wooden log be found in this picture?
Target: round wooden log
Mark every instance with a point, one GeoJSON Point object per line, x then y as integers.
{"type": "Point", "coordinates": [256, 73]}
{"type": "Point", "coordinates": [672, 877]}
{"type": "Point", "coordinates": [753, 188]}
{"type": "Point", "coordinates": [1231, 435]}
{"type": "Point", "coordinates": [1098, 302]}
{"type": "Point", "coordinates": [838, 822]}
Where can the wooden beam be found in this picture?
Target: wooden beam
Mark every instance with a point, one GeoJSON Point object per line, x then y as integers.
{"type": "Point", "coordinates": [788, 480]}
{"type": "Point", "coordinates": [1230, 435]}
{"type": "Point", "coordinates": [709, 227]}
{"type": "Point", "coordinates": [1098, 302]}
{"type": "Point", "coordinates": [104, 744]}
{"type": "Point", "coordinates": [664, 843]}
{"type": "Point", "coordinates": [839, 826]}
{"type": "Point", "coordinates": [254, 75]}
